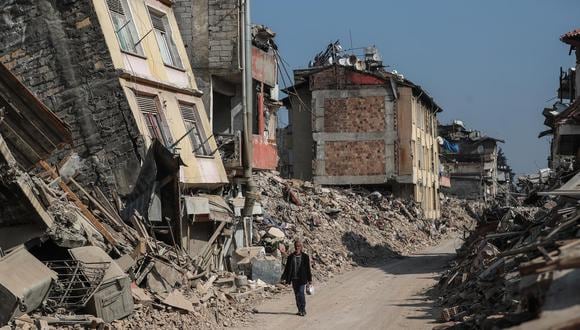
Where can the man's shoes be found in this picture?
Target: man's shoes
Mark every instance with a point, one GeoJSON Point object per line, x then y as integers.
{"type": "Point", "coordinates": [302, 313]}
{"type": "Point", "coordinates": [299, 313]}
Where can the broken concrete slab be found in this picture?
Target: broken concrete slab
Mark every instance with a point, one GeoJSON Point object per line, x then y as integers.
{"type": "Point", "coordinates": [177, 299]}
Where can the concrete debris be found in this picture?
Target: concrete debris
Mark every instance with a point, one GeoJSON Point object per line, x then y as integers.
{"type": "Point", "coordinates": [342, 228]}
{"type": "Point", "coordinates": [517, 268]}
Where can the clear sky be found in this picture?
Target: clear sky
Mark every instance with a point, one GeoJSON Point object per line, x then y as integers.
{"type": "Point", "coordinates": [493, 64]}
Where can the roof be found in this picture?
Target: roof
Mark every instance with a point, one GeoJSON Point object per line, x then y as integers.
{"type": "Point", "coordinates": [571, 113]}
{"type": "Point", "coordinates": [302, 75]}
{"type": "Point", "coordinates": [571, 38]}
{"type": "Point", "coordinates": [31, 130]}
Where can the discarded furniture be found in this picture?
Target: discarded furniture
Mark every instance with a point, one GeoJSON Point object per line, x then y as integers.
{"type": "Point", "coordinates": [24, 284]}
{"type": "Point", "coordinates": [112, 300]}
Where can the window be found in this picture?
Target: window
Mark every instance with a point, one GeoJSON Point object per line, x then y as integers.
{"type": "Point", "coordinates": [194, 129]}
{"type": "Point", "coordinates": [155, 124]}
{"type": "Point", "coordinates": [124, 26]}
{"type": "Point", "coordinates": [164, 39]}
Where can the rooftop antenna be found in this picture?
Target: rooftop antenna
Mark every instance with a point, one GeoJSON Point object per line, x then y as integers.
{"type": "Point", "coordinates": [350, 36]}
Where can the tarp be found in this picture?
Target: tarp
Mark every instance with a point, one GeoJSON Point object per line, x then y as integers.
{"type": "Point", "coordinates": [450, 146]}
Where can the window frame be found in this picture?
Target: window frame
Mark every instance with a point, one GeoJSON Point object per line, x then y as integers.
{"type": "Point", "coordinates": [159, 132]}
{"type": "Point", "coordinates": [165, 37]}
{"type": "Point", "coordinates": [203, 149]}
{"type": "Point", "coordinates": [128, 26]}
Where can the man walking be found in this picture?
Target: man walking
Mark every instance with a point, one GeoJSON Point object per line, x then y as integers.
{"type": "Point", "coordinates": [297, 272]}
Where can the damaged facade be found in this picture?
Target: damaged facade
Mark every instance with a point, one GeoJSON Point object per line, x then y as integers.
{"type": "Point", "coordinates": [563, 118]}
{"type": "Point", "coordinates": [211, 32]}
{"type": "Point", "coordinates": [353, 123]}
{"type": "Point", "coordinates": [470, 160]}
{"type": "Point", "coordinates": [117, 73]}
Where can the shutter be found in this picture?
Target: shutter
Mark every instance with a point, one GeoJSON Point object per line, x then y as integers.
{"type": "Point", "coordinates": [157, 22]}
{"type": "Point", "coordinates": [116, 6]}
{"type": "Point", "coordinates": [187, 112]}
{"type": "Point", "coordinates": [147, 103]}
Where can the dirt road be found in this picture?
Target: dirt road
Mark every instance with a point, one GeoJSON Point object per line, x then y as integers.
{"type": "Point", "coordinates": [387, 296]}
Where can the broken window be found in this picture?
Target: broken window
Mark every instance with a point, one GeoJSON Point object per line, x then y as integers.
{"type": "Point", "coordinates": [164, 39]}
{"type": "Point", "coordinates": [194, 129]}
{"type": "Point", "coordinates": [155, 125]}
{"type": "Point", "coordinates": [124, 26]}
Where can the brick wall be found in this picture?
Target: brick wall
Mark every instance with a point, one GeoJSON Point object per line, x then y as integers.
{"type": "Point", "coordinates": [354, 158]}
{"type": "Point", "coordinates": [57, 50]}
{"type": "Point", "coordinates": [354, 114]}
{"type": "Point", "coordinates": [332, 78]}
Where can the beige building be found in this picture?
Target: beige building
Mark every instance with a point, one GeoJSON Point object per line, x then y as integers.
{"type": "Point", "coordinates": [145, 45]}
{"type": "Point", "coordinates": [117, 73]}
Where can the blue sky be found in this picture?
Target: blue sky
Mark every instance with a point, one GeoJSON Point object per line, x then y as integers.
{"type": "Point", "coordinates": [493, 64]}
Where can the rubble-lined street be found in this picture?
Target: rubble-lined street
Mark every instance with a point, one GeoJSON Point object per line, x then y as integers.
{"type": "Point", "coordinates": [179, 164]}
{"type": "Point", "coordinates": [388, 295]}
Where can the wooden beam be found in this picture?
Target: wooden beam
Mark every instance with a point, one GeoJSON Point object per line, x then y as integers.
{"type": "Point", "coordinates": [76, 200]}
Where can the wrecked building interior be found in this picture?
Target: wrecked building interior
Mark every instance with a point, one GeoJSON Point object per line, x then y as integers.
{"type": "Point", "coordinates": [470, 160]}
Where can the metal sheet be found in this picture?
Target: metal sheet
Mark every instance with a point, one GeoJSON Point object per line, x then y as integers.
{"type": "Point", "coordinates": [265, 154]}
{"type": "Point", "coordinates": [24, 284]}
{"type": "Point", "coordinates": [264, 67]}
{"type": "Point", "coordinates": [196, 205]}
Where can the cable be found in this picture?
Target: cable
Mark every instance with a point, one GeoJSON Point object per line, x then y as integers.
{"type": "Point", "coordinates": [295, 93]}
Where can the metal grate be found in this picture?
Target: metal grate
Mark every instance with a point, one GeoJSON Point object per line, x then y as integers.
{"type": "Point", "coordinates": [147, 103]}
{"type": "Point", "coordinates": [116, 6]}
{"type": "Point", "coordinates": [76, 284]}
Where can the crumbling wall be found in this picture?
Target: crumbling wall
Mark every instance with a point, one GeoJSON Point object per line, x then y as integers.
{"type": "Point", "coordinates": [210, 32]}
{"type": "Point", "coordinates": [57, 49]}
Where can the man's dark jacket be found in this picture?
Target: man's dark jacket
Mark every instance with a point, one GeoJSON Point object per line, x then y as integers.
{"type": "Point", "coordinates": [304, 273]}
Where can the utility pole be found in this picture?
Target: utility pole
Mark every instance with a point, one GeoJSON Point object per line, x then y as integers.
{"type": "Point", "coordinates": [248, 94]}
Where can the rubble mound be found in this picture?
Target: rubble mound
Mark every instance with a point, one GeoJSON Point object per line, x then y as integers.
{"type": "Point", "coordinates": [344, 227]}
{"type": "Point", "coordinates": [512, 270]}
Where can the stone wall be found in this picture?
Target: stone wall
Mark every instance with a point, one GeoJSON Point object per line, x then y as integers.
{"type": "Point", "coordinates": [210, 31]}
{"type": "Point", "coordinates": [56, 48]}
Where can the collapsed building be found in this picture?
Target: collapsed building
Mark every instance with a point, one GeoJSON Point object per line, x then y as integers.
{"type": "Point", "coordinates": [470, 160]}
{"type": "Point", "coordinates": [117, 73]}
{"type": "Point", "coordinates": [212, 34]}
{"type": "Point", "coordinates": [563, 117]}
{"type": "Point", "coordinates": [353, 123]}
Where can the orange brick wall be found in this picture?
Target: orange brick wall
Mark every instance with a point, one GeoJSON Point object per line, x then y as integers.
{"type": "Point", "coordinates": [354, 158]}
{"type": "Point", "coordinates": [355, 114]}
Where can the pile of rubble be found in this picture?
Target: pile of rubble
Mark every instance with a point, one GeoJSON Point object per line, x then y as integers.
{"type": "Point", "coordinates": [521, 265]}
{"type": "Point", "coordinates": [343, 227]}
{"type": "Point", "coordinates": [91, 267]}
{"type": "Point", "coordinates": [91, 253]}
